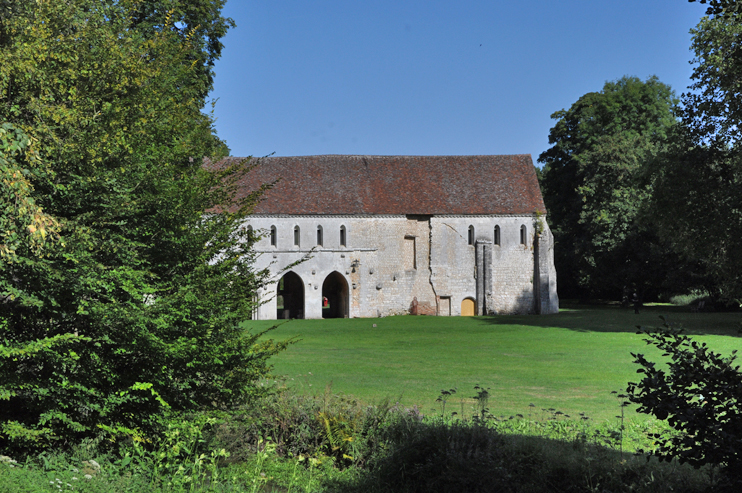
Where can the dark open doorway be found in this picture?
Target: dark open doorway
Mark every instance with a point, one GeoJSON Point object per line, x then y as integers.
{"type": "Point", "coordinates": [290, 297]}
{"type": "Point", "coordinates": [335, 296]}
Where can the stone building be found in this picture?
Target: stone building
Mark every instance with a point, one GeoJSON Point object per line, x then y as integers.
{"type": "Point", "coordinates": [385, 235]}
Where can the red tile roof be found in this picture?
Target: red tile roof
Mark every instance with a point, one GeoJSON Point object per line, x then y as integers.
{"type": "Point", "coordinates": [426, 185]}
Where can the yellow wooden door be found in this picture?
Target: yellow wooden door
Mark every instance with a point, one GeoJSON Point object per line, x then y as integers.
{"type": "Point", "coordinates": [468, 308]}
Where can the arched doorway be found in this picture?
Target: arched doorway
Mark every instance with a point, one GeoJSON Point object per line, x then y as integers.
{"type": "Point", "coordinates": [335, 296]}
{"type": "Point", "coordinates": [468, 307]}
{"type": "Point", "coordinates": [290, 297]}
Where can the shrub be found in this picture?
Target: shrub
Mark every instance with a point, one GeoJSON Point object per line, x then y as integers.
{"type": "Point", "coordinates": [691, 298]}
{"type": "Point", "coordinates": [700, 396]}
{"type": "Point", "coordinates": [441, 455]}
{"type": "Point", "coordinates": [331, 425]}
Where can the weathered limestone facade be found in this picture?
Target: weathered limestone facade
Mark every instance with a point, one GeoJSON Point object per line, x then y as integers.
{"type": "Point", "coordinates": [370, 262]}
{"type": "Point", "coordinates": [389, 261]}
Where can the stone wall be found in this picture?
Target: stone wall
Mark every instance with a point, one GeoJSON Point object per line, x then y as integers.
{"type": "Point", "coordinates": [395, 264]}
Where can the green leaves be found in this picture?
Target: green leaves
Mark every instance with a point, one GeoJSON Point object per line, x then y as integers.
{"type": "Point", "coordinates": [120, 297]}
{"type": "Point", "coordinates": [712, 111]}
{"type": "Point", "coordinates": [698, 197]}
{"type": "Point", "coordinates": [638, 201]}
{"type": "Point", "coordinates": [595, 187]}
{"type": "Point", "coordinates": [23, 222]}
{"type": "Point", "coordinates": [699, 395]}
{"type": "Point", "coordinates": [33, 348]}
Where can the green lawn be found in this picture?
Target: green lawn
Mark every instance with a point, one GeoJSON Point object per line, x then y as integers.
{"type": "Point", "coordinates": [570, 361]}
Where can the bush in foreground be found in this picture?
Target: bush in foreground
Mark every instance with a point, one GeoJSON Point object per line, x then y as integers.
{"type": "Point", "coordinates": [699, 393]}
{"type": "Point", "coordinates": [404, 452]}
{"type": "Point", "coordinates": [397, 449]}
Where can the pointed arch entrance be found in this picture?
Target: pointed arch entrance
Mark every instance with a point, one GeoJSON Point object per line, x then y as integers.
{"type": "Point", "coordinates": [290, 297]}
{"type": "Point", "coordinates": [335, 296]}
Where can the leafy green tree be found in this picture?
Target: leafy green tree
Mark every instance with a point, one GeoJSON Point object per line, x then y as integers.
{"type": "Point", "coordinates": [198, 22]}
{"type": "Point", "coordinates": [132, 303]}
{"type": "Point", "coordinates": [698, 192]}
{"type": "Point", "coordinates": [698, 204]}
{"type": "Point", "coordinates": [24, 222]}
{"type": "Point", "coordinates": [595, 189]}
{"type": "Point", "coordinates": [716, 7]}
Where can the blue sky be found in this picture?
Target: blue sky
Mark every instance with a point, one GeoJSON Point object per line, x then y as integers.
{"type": "Point", "coordinates": [301, 77]}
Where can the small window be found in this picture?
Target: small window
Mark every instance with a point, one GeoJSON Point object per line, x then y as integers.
{"type": "Point", "coordinates": [496, 239]}
{"type": "Point", "coordinates": [471, 235]}
{"type": "Point", "coordinates": [297, 236]}
{"type": "Point", "coordinates": [274, 236]}
{"type": "Point", "coordinates": [523, 235]}
{"type": "Point", "coordinates": [409, 253]}
{"type": "Point", "coordinates": [342, 235]}
{"type": "Point", "coordinates": [319, 235]}
{"type": "Point", "coordinates": [249, 233]}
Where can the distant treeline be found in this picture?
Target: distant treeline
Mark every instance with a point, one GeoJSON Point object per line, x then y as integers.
{"type": "Point", "coordinates": [644, 188]}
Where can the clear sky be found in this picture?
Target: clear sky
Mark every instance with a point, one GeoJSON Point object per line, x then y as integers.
{"type": "Point", "coordinates": [427, 77]}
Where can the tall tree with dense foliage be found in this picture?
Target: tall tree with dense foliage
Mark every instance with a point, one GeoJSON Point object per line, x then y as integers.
{"type": "Point", "coordinates": [594, 187]}
{"type": "Point", "coordinates": [698, 197]}
{"type": "Point", "coordinates": [119, 297]}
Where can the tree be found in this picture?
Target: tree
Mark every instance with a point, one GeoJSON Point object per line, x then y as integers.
{"type": "Point", "coordinates": [24, 222]}
{"type": "Point", "coordinates": [595, 189]}
{"type": "Point", "coordinates": [197, 21]}
{"type": "Point", "coordinates": [698, 202]}
{"type": "Point", "coordinates": [133, 305]}
{"type": "Point", "coordinates": [716, 7]}
{"type": "Point", "coordinates": [698, 192]}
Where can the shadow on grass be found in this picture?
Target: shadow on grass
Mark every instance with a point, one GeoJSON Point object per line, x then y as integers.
{"type": "Point", "coordinates": [466, 457]}
{"type": "Point", "coordinates": [613, 318]}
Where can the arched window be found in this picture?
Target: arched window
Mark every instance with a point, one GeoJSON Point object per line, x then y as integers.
{"type": "Point", "coordinates": [319, 235]}
{"type": "Point", "coordinates": [297, 236]}
{"type": "Point", "coordinates": [342, 236]}
{"type": "Point", "coordinates": [496, 239]}
{"type": "Point", "coordinates": [274, 236]}
{"type": "Point", "coordinates": [249, 233]}
{"type": "Point", "coordinates": [523, 235]}
{"type": "Point", "coordinates": [471, 235]}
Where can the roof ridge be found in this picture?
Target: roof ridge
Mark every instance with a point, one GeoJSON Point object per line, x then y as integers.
{"type": "Point", "coordinates": [385, 156]}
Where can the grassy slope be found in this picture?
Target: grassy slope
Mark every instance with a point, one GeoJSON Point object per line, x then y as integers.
{"type": "Point", "coordinates": [570, 361]}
